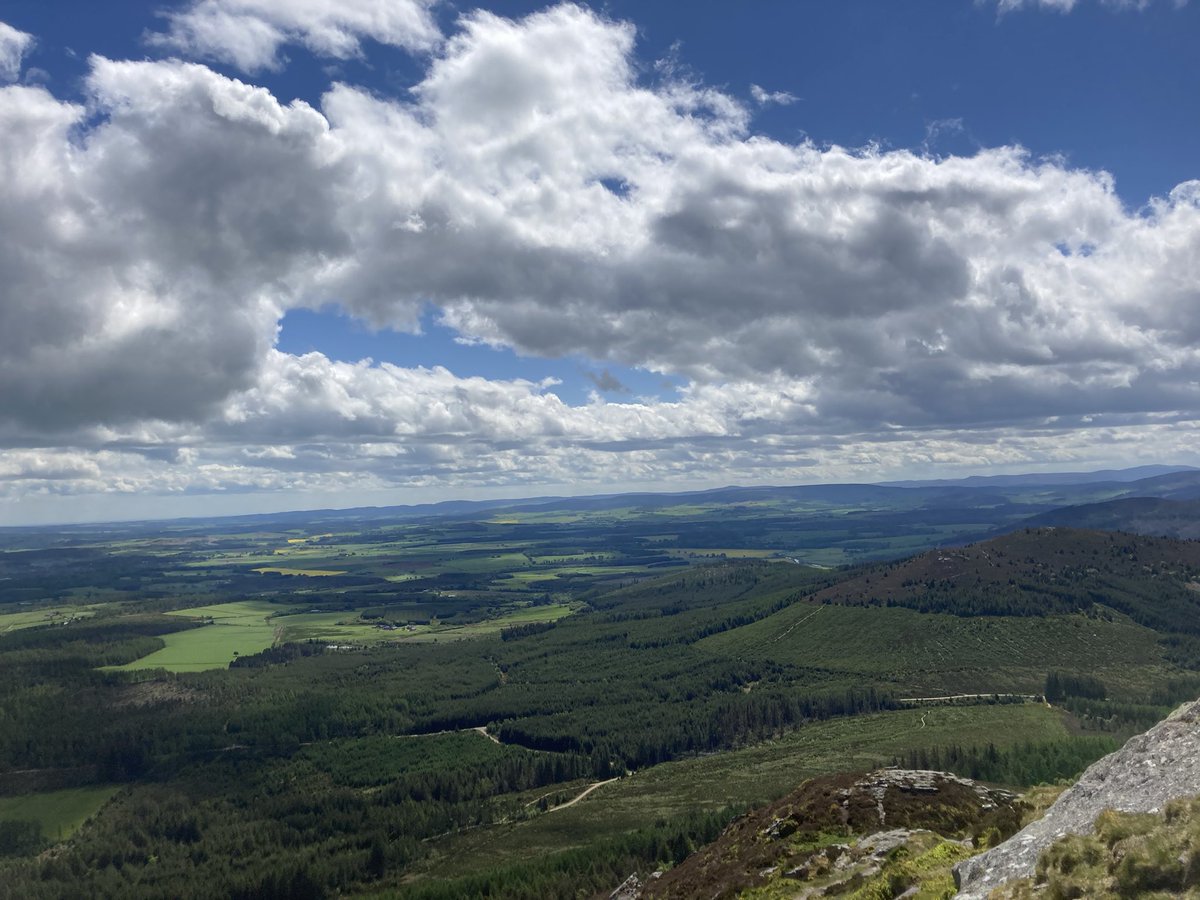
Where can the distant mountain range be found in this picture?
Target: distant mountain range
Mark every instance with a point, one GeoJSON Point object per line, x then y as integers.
{"type": "Point", "coordinates": [1034, 479]}
{"type": "Point", "coordinates": [1153, 500]}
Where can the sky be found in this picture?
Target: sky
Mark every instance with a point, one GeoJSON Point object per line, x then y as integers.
{"type": "Point", "coordinates": [284, 254]}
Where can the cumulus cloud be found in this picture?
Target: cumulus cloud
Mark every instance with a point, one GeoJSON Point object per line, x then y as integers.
{"type": "Point", "coordinates": [829, 307]}
{"type": "Point", "coordinates": [146, 266]}
{"type": "Point", "coordinates": [249, 34]}
{"type": "Point", "coordinates": [14, 45]}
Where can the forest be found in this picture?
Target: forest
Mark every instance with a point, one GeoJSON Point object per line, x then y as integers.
{"type": "Point", "coordinates": [453, 679]}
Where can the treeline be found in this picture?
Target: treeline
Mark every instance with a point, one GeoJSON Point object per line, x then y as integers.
{"type": "Point", "coordinates": [275, 656]}
{"type": "Point", "coordinates": [636, 738]}
{"type": "Point", "coordinates": [708, 587]}
{"type": "Point", "coordinates": [19, 837]}
{"type": "Point", "coordinates": [708, 628]}
{"type": "Point", "coordinates": [595, 869]}
{"type": "Point", "coordinates": [1182, 649]}
{"type": "Point", "coordinates": [1060, 685]}
{"type": "Point", "coordinates": [61, 573]}
{"type": "Point", "coordinates": [516, 632]}
{"type": "Point", "coordinates": [1021, 765]}
{"type": "Point", "coordinates": [1176, 690]}
{"type": "Point", "coordinates": [1114, 716]}
{"type": "Point", "coordinates": [445, 767]}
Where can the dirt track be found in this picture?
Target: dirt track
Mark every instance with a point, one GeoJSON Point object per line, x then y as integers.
{"type": "Point", "coordinates": [587, 790]}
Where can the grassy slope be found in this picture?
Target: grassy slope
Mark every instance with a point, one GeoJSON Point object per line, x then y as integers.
{"type": "Point", "coordinates": [749, 776]}
{"type": "Point", "coordinates": [60, 813]}
{"type": "Point", "coordinates": [1128, 855]}
{"type": "Point", "coordinates": [945, 653]}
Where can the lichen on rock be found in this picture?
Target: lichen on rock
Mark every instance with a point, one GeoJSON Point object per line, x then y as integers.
{"type": "Point", "coordinates": [1144, 776]}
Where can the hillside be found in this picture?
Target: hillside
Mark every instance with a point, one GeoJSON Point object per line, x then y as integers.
{"type": "Point", "coordinates": [837, 833]}
{"type": "Point", "coordinates": [1040, 571]}
{"type": "Point", "coordinates": [1138, 515]}
{"type": "Point", "coordinates": [1128, 827]}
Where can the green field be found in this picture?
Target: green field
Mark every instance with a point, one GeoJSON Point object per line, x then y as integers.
{"type": "Point", "coordinates": [237, 612]}
{"type": "Point", "coordinates": [335, 627]}
{"type": "Point", "coordinates": [239, 628]}
{"type": "Point", "coordinates": [45, 615]}
{"type": "Point", "coordinates": [208, 647]}
{"type": "Point", "coordinates": [59, 813]}
{"type": "Point", "coordinates": [245, 627]}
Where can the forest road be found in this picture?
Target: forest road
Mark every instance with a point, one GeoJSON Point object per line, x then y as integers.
{"type": "Point", "coordinates": [587, 790]}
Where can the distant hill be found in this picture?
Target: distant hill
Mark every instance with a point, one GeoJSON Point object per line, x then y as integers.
{"type": "Point", "coordinates": [1139, 515]}
{"type": "Point", "coordinates": [1173, 486]}
{"type": "Point", "coordinates": [1034, 479]}
{"type": "Point", "coordinates": [1040, 571]}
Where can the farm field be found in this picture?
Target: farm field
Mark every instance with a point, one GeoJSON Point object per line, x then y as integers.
{"type": "Point", "coordinates": [208, 647]}
{"type": "Point", "coordinates": [236, 612]}
{"type": "Point", "coordinates": [246, 627]}
{"type": "Point", "coordinates": [338, 627]}
{"type": "Point", "coordinates": [59, 813]}
{"type": "Point", "coordinates": [45, 615]}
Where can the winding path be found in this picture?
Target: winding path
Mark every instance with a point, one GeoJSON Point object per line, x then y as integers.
{"type": "Point", "coordinates": [587, 790]}
{"type": "Point", "coordinates": [482, 729]}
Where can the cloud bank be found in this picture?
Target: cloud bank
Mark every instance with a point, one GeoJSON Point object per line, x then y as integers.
{"type": "Point", "coordinates": [836, 312]}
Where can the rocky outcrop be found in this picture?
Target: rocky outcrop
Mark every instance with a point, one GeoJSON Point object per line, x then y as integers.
{"type": "Point", "coordinates": [1153, 768]}
{"type": "Point", "coordinates": [631, 888]}
{"type": "Point", "coordinates": [836, 833]}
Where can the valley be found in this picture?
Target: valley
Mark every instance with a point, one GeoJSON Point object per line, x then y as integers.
{"type": "Point", "coordinates": [538, 700]}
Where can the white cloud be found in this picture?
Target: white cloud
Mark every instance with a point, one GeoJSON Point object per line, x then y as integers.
{"type": "Point", "coordinates": [1065, 6]}
{"type": "Point", "coordinates": [14, 45]}
{"type": "Point", "coordinates": [145, 267]}
{"type": "Point", "coordinates": [763, 97]}
{"type": "Point", "coordinates": [250, 33]}
{"type": "Point", "coordinates": [835, 310]}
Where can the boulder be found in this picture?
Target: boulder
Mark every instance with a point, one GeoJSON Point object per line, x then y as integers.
{"type": "Point", "coordinates": [1153, 768]}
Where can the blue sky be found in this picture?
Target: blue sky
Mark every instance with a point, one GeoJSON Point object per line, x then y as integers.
{"type": "Point", "coordinates": [1110, 88]}
{"type": "Point", "coordinates": [276, 255]}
